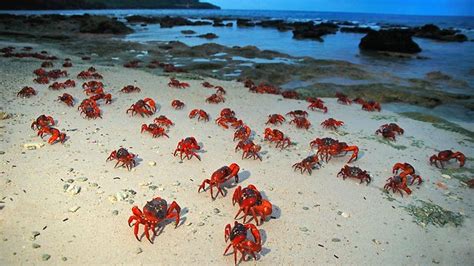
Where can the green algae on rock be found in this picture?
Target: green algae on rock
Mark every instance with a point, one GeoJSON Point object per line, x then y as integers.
{"type": "Point", "coordinates": [429, 213]}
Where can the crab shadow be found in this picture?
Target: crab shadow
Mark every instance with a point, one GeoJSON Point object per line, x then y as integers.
{"type": "Point", "coordinates": [265, 250]}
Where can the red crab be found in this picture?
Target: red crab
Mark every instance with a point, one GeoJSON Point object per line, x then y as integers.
{"type": "Point", "coordinates": [177, 104]}
{"type": "Point", "coordinates": [41, 80]}
{"type": "Point", "coordinates": [94, 91]}
{"type": "Point", "coordinates": [228, 117]}
{"type": "Point", "coordinates": [407, 170]}
{"type": "Point", "coordinates": [163, 121]}
{"type": "Point", "coordinates": [174, 83]}
{"type": "Point", "coordinates": [202, 115]}
{"type": "Point", "coordinates": [290, 95]}
{"type": "Point", "coordinates": [359, 100]}
{"type": "Point", "coordinates": [389, 130]}
{"type": "Point", "coordinates": [154, 212]}
{"type": "Point", "coordinates": [298, 113]}
{"type": "Point", "coordinates": [143, 107]}
{"type": "Point", "coordinates": [89, 74]}
{"type": "Point", "coordinates": [242, 133]}
{"type": "Point", "coordinates": [67, 99]}
{"type": "Point", "coordinates": [219, 177]}
{"type": "Point", "coordinates": [275, 119]}
{"type": "Point", "coordinates": [187, 146]}
{"type": "Point", "coordinates": [155, 130]}
{"type": "Point", "coordinates": [265, 88]}
{"type": "Point", "coordinates": [132, 64]}
{"type": "Point", "coordinates": [307, 164]}
{"type": "Point", "coordinates": [26, 92]}
{"type": "Point", "coordinates": [397, 184]}
{"type": "Point", "coordinates": [69, 83]}
{"type": "Point", "coordinates": [92, 85]}
{"type": "Point", "coordinates": [123, 156]}
{"type": "Point", "coordinates": [220, 90]}
{"type": "Point", "coordinates": [445, 156]}
{"type": "Point", "coordinates": [275, 135]}
{"type": "Point", "coordinates": [301, 122]}
{"type": "Point", "coordinates": [239, 241]}
{"type": "Point", "coordinates": [317, 104]}
{"type": "Point", "coordinates": [90, 109]}
{"type": "Point", "coordinates": [332, 123]}
{"type": "Point", "coordinates": [342, 98]}
{"type": "Point", "coordinates": [371, 106]}
{"type": "Point", "coordinates": [215, 98]}
{"type": "Point", "coordinates": [328, 147]}
{"type": "Point", "coordinates": [251, 203]}
{"type": "Point", "coordinates": [227, 112]}
{"type": "Point", "coordinates": [67, 64]}
{"type": "Point", "coordinates": [130, 89]}
{"type": "Point", "coordinates": [207, 85]}
{"type": "Point", "coordinates": [57, 73]}
{"type": "Point", "coordinates": [55, 134]}
{"type": "Point", "coordinates": [42, 121]}
{"type": "Point", "coordinates": [102, 96]}
{"type": "Point", "coordinates": [249, 149]}
{"type": "Point", "coordinates": [57, 86]}
{"type": "Point", "coordinates": [354, 172]}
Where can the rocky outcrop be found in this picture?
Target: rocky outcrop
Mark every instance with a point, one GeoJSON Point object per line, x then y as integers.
{"type": "Point", "coordinates": [431, 31]}
{"type": "Point", "coordinates": [310, 31]}
{"type": "Point", "coordinates": [399, 41]}
{"type": "Point", "coordinates": [208, 36]}
{"type": "Point", "coordinates": [103, 25]}
{"type": "Point", "coordinates": [169, 22]}
{"type": "Point", "coordinates": [241, 22]}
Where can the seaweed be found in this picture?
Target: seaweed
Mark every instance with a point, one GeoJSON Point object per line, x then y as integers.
{"type": "Point", "coordinates": [440, 123]}
{"type": "Point", "coordinates": [390, 118]}
{"type": "Point", "coordinates": [429, 213]}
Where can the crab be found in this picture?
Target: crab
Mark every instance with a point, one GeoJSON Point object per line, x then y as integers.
{"type": "Point", "coordinates": [332, 123]}
{"type": "Point", "coordinates": [354, 172]}
{"type": "Point", "coordinates": [174, 83]}
{"type": "Point", "coordinates": [26, 92]}
{"type": "Point", "coordinates": [123, 156]}
{"type": "Point", "coordinates": [42, 121]}
{"type": "Point", "coordinates": [154, 212]}
{"type": "Point", "coordinates": [92, 85]}
{"type": "Point", "coordinates": [202, 115]}
{"type": "Point", "coordinates": [265, 88]}
{"type": "Point", "coordinates": [228, 117]}
{"type": "Point", "coordinates": [359, 100]}
{"type": "Point", "coordinates": [389, 130]}
{"type": "Point", "coordinates": [41, 80]}
{"type": "Point", "coordinates": [67, 99]}
{"type": "Point", "coordinates": [207, 85]}
{"type": "Point", "coordinates": [130, 89]}
{"type": "Point", "coordinates": [342, 98]}
{"type": "Point", "coordinates": [55, 134]}
{"type": "Point", "coordinates": [317, 104]}
{"type": "Point", "coordinates": [219, 177]}
{"type": "Point", "coordinates": [251, 203]}
{"type": "Point", "coordinates": [67, 63]}
{"type": "Point", "coordinates": [275, 135]}
{"type": "Point", "coordinates": [397, 184]}
{"type": "Point", "coordinates": [239, 241]}
{"type": "Point", "coordinates": [371, 106]}
{"type": "Point", "coordinates": [143, 107]}
{"type": "Point", "coordinates": [406, 170]}
{"type": "Point", "coordinates": [187, 146]}
{"type": "Point", "coordinates": [57, 73]}
{"type": "Point", "coordinates": [220, 90]}
{"type": "Point", "coordinates": [155, 130]}
{"type": "Point", "coordinates": [163, 121]}
{"type": "Point", "coordinates": [215, 98]}
{"type": "Point", "coordinates": [301, 122]}
{"type": "Point", "coordinates": [242, 133]}
{"type": "Point", "coordinates": [57, 86]}
{"type": "Point", "coordinates": [102, 96]}
{"type": "Point", "coordinates": [227, 112]}
{"type": "Point", "coordinates": [90, 109]}
{"type": "Point", "coordinates": [445, 156]}
{"type": "Point", "coordinates": [290, 95]}
{"type": "Point", "coordinates": [275, 119]}
{"type": "Point", "coordinates": [307, 164]}
{"type": "Point", "coordinates": [94, 90]}
{"type": "Point", "coordinates": [297, 113]}
{"type": "Point", "coordinates": [328, 147]}
{"type": "Point", "coordinates": [69, 83]}
{"type": "Point", "coordinates": [177, 104]}
{"type": "Point", "coordinates": [249, 149]}
{"type": "Point", "coordinates": [89, 74]}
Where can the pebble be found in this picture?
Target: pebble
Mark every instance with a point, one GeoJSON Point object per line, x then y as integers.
{"type": "Point", "coordinates": [73, 190]}
{"type": "Point", "coordinates": [81, 179]}
{"type": "Point", "coordinates": [100, 191]}
{"type": "Point", "coordinates": [64, 259]}
{"type": "Point", "coordinates": [138, 251]}
{"type": "Point", "coordinates": [335, 239]}
{"type": "Point", "coordinates": [115, 212]}
{"type": "Point", "coordinates": [34, 234]}
{"type": "Point", "coordinates": [112, 198]}
{"type": "Point", "coordinates": [446, 176]}
{"type": "Point", "coordinates": [33, 146]}
{"type": "Point", "coordinates": [151, 163]}
{"type": "Point", "coordinates": [201, 224]}
{"type": "Point", "coordinates": [45, 257]}
{"type": "Point", "coordinates": [121, 195]}
{"type": "Point", "coordinates": [216, 210]}
{"type": "Point", "coordinates": [303, 229]}
{"type": "Point", "coordinates": [36, 245]}
{"type": "Point", "coordinates": [2, 152]}
{"type": "Point", "coordinates": [345, 215]}
{"type": "Point", "coordinates": [74, 209]}
{"type": "Point", "coordinates": [176, 183]}
{"type": "Point", "coordinates": [305, 208]}
{"type": "Point", "coordinates": [153, 187]}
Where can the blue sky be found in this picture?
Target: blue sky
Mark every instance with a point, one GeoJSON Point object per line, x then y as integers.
{"type": "Point", "coordinates": [412, 7]}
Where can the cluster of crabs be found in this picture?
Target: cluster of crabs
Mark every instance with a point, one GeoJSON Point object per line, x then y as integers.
{"type": "Point", "coordinates": [243, 237]}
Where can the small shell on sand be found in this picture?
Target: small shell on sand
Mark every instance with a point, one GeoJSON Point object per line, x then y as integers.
{"type": "Point", "coordinates": [33, 146]}
{"type": "Point", "coordinates": [74, 209]}
{"type": "Point", "coordinates": [151, 163]}
{"type": "Point", "coordinates": [446, 176]}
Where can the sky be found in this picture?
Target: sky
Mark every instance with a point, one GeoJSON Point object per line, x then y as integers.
{"type": "Point", "coordinates": [409, 7]}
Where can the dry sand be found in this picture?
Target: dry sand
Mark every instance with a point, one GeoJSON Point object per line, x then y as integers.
{"type": "Point", "coordinates": [319, 219]}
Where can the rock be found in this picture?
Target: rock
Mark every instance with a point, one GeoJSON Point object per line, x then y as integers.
{"type": "Point", "coordinates": [446, 176]}
{"type": "Point", "coordinates": [438, 76]}
{"type": "Point", "coordinates": [356, 29]}
{"type": "Point", "coordinates": [34, 245]}
{"type": "Point", "coordinates": [121, 195]}
{"type": "Point", "coordinates": [103, 25]}
{"type": "Point", "coordinates": [45, 257]}
{"type": "Point", "coordinates": [115, 212]}
{"type": "Point", "coordinates": [33, 146]}
{"type": "Point", "coordinates": [216, 211]}
{"type": "Point", "coordinates": [176, 183]}
{"type": "Point", "coordinates": [201, 224]}
{"type": "Point", "coordinates": [74, 209]}
{"type": "Point", "coordinates": [73, 190]}
{"type": "Point", "coordinates": [81, 179]}
{"type": "Point", "coordinates": [112, 198]}
{"type": "Point", "coordinates": [2, 152]}
{"type": "Point", "coordinates": [5, 115]}
{"type": "Point", "coordinates": [345, 215]}
{"type": "Point", "coordinates": [138, 251]}
{"type": "Point", "coordinates": [336, 240]}
{"type": "Point", "coordinates": [303, 229]}
{"type": "Point", "coordinates": [34, 234]}
{"type": "Point", "coordinates": [208, 36]}
{"type": "Point", "coordinates": [139, 19]}
{"type": "Point", "coordinates": [245, 23]}
{"type": "Point", "coordinates": [188, 32]}
{"type": "Point", "coordinates": [310, 31]}
{"type": "Point", "coordinates": [64, 258]}
{"type": "Point", "coordinates": [305, 208]}
{"type": "Point", "coordinates": [151, 163]}
{"type": "Point", "coordinates": [390, 40]}
{"type": "Point", "coordinates": [431, 31]}
{"type": "Point", "coordinates": [169, 22]}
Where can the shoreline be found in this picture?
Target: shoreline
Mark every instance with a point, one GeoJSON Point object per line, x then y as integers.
{"type": "Point", "coordinates": [318, 219]}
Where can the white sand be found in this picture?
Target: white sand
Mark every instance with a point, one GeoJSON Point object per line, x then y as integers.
{"type": "Point", "coordinates": [377, 230]}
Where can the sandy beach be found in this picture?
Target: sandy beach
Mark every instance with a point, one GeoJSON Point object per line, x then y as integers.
{"type": "Point", "coordinates": [317, 219]}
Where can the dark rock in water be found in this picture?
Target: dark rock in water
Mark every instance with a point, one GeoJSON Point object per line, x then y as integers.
{"type": "Point", "coordinates": [208, 36]}
{"type": "Point", "coordinates": [245, 23]}
{"type": "Point", "coordinates": [169, 22]}
{"type": "Point", "coordinates": [279, 24]}
{"type": "Point", "coordinates": [390, 40]}
{"type": "Point", "coordinates": [356, 29]}
{"type": "Point", "coordinates": [437, 76]}
{"type": "Point", "coordinates": [188, 32]}
{"type": "Point", "coordinates": [229, 24]}
{"type": "Point", "coordinates": [103, 25]}
{"type": "Point", "coordinates": [430, 31]}
{"type": "Point", "coordinates": [311, 31]}
{"type": "Point", "coordinates": [140, 19]}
